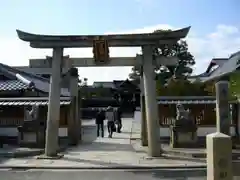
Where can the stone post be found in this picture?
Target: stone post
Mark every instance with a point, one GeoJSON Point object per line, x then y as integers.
{"type": "Point", "coordinates": [53, 116]}
{"type": "Point", "coordinates": [219, 157]}
{"type": "Point", "coordinates": [154, 149]}
{"type": "Point", "coordinates": [73, 121]}
{"type": "Point", "coordinates": [144, 138]}
{"type": "Point", "coordinates": [222, 107]}
{"type": "Point", "coordinates": [219, 144]}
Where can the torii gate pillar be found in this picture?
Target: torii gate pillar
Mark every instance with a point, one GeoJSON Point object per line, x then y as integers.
{"type": "Point", "coordinates": [53, 116]}
{"type": "Point", "coordinates": [153, 132]}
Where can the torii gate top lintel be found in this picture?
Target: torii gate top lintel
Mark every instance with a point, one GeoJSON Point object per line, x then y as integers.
{"type": "Point", "coordinates": [114, 40]}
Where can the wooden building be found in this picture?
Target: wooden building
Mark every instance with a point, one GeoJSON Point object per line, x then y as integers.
{"type": "Point", "coordinates": [20, 91]}
{"type": "Point", "coordinates": [124, 94]}
{"type": "Point", "coordinates": [128, 95]}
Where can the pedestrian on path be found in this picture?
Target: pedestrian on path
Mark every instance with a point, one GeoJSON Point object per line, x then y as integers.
{"type": "Point", "coordinates": [100, 117]}
{"type": "Point", "coordinates": [118, 119]}
{"type": "Point", "coordinates": [110, 121]}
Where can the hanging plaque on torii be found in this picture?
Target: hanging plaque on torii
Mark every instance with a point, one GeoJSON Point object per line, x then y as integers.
{"type": "Point", "coordinates": [101, 51]}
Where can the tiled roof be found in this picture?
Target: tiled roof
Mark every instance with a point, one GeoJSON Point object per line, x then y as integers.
{"type": "Point", "coordinates": [12, 85]}
{"type": "Point", "coordinates": [37, 82]}
{"type": "Point", "coordinates": [215, 62]}
{"type": "Point", "coordinates": [229, 66]}
{"type": "Point", "coordinates": [114, 84]}
{"type": "Point", "coordinates": [103, 84]}
{"type": "Point", "coordinates": [203, 76]}
{"type": "Point", "coordinates": [41, 101]}
{"type": "Point", "coordinates": [225, 66]}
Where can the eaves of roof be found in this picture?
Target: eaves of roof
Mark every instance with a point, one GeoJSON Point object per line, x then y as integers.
{"type": "Point", "coordinates": [31, 80]}
{"type": "Point", "coordinates": [40, 101]}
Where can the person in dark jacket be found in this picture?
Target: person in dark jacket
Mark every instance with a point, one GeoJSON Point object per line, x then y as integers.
{"type": "Point", "coordinates": [100, 122]}
{"type": "Point", "coordinates": [119, 119]}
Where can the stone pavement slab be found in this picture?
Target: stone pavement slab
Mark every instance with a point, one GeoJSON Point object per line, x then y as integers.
{"type": "Point", "coordinates": [13, 152]}
{"type": "Point", "coordinates": [100, 175]}
{"type": "Point", "coordinates": [9, 151]}
{"type": "Point", "coordinates": [116, 152]}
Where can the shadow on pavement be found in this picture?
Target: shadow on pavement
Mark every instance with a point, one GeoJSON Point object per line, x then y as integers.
{"type": "Point", "coordinates": [103, 146]}
{"type": "Point", "coordinates": [94, 162]}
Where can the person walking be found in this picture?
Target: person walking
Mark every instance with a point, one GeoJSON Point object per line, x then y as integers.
{"type": "Point", "coordinates": [100, 117]}
{"type": "Point", "coordinates": [118, 116]}
{"type": "Point", "coordinates": [110, 121]}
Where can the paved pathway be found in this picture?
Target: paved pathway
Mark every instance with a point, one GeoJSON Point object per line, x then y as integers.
{"type": "Point", "coordinates": [101, 175]}
{"type": "Point", "coordinates": [103, 152]}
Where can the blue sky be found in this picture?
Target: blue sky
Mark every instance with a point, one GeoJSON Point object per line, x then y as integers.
{"type": "Point", "coordinates": [98, 17]}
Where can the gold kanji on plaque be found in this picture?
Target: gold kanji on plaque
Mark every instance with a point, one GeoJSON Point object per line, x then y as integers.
{"type": "Point", "coordinates": [101, 51]}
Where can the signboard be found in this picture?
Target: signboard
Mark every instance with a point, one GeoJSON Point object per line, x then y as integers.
{"type": "Point", "coordinates": [101, 51]}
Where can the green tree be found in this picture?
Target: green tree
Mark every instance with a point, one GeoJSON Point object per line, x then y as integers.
{"type": "Point", "coordinates": [234, 84]}
{"type": "Point", "coordinates": [163, 73]}
{"type": "Point", "coordinates": [135, 74]}
{"type": "Point", "coordinates": [181, 87]}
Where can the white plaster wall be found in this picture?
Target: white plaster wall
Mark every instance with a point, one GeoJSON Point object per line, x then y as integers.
{"type": "Point", "coordinates": [13, 132]}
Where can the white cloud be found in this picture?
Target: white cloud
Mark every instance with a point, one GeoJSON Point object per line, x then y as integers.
{"type": "Point", "coordinates": [221, 43]}
{"type": "Point", "coordinates": [224, 41]}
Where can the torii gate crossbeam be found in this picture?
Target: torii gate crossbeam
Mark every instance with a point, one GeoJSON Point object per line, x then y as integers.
{"type": "Point", "coordinates": [115, 61]}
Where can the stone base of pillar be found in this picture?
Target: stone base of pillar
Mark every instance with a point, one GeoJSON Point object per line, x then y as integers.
{"type": "Point", "coordinates": [219, 157]}
{"type": "Point", "coordinates": [58, 156]}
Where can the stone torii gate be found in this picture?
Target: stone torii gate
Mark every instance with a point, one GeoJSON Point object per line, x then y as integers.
{"type": "Point", "coordinates": [100, 43]}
